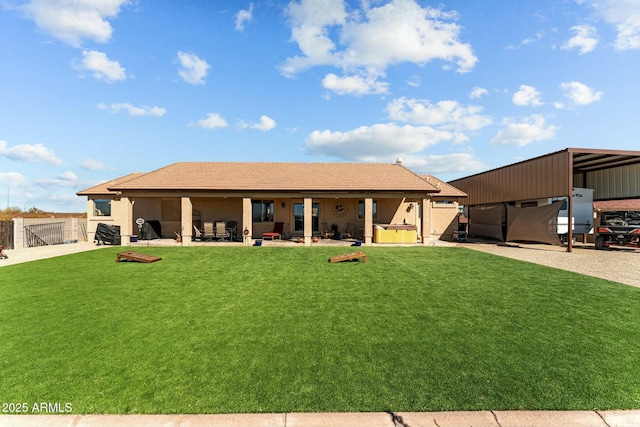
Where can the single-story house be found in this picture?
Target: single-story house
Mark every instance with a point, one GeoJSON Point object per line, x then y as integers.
{"type": "Point", "coordinates": [309, 198]}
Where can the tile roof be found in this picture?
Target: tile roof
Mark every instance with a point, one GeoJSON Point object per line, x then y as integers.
{"type": "Point", "coordinates": [236, 176]}
{"type": "Point", "coordinates": [446, 190]}
{"type": "Point", "coordinates": [103, 188]}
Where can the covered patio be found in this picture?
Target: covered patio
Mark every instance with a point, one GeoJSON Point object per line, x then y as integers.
{"type": "Point", "coordinates": [309, 199]}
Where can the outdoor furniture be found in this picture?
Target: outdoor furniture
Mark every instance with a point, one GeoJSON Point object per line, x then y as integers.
{"type": "Point", "coordinates": [348, 232]}
{"type": "Point", "coordinates": [108, 234]}
{"type": "Point", "coordinates": [2, 254]}
{"type": "Point", "coordinates": [325, 233]}
{"type": "Point", "coordinates": [276, 233]}
{"type": "Point", "coordinates": [136, 256]}
{"type": "Point", "coordinates": [221, 231]}
{"type": "Point", "coordinates": [209, 234]}
{"type": "Point", "coordinates": [197, 234]}
{"type": "Point", "coordinates": [354, 256]}
{"type": "Point", "coordinates": [232, 226]}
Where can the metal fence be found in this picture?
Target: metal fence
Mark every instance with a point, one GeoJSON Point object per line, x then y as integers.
{"type": "Point", "coordinates": [6, 234]}
{"type": "Point", "coordinates": [44, 234]}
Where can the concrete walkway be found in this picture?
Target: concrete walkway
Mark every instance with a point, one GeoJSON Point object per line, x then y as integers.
{"type": "Point", "coordinates": [365, 419]}
{"type": "Point", "coordinates": [18, 256]}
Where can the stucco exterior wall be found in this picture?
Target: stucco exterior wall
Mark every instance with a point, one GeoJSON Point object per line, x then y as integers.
{"type": "Point", "coordinates": [117, 216]}
{"type": "Point", "coordinates": [444, 220]}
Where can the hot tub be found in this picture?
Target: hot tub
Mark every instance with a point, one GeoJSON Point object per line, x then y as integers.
{"type": "Point", "coordinates": [395, 233]}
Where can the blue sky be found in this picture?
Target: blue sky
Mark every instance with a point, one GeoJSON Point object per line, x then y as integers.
{"type": "Point", "coordinates": [91, 90]}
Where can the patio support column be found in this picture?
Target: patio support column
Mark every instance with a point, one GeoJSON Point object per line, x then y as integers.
{"type": "Point", "coordinates": [426, 220]}
{"type": "Point", "coordinates": [247, 221]}
{"type": "Point", "coordinates": [127, 221]}
{"type": "Point", "coordinates": [308, 220]}
{"type": "Point", "coordinates": [186, 215]}
{"type": "Point", "coordinates": [368, 221]}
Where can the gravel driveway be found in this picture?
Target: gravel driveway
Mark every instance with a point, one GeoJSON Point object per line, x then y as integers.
{"type": "Point", "coordinates": [618, 265]}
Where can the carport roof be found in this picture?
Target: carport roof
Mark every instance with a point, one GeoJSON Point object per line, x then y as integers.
{"type": "Point", "coordinates": [540, 177]}
{"type": "Point", "coordinates": [588, 160]}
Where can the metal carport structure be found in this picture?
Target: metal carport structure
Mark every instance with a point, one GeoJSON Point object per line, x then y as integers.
{"type": "Point", "coordinates": [555, 175]}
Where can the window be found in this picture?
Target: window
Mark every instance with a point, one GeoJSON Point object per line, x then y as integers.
{"type": "Point", "coordinates": [374, 208]}
{"type": "Point", "coordinates": [529, 204]}
{"type": "Point", "coordinates": [262, 210]}
{"type": "Point", "coordinates": [444, 202]}
{"type": "Point", "coordinates": [298, 217]}
{"type": "Point", "coordinates": [102, 207]}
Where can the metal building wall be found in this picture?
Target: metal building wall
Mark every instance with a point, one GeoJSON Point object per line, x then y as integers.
{"type": "Point", "coordinates": [538, 178]}
{"type": "Point", "coordinates": [615, 183]}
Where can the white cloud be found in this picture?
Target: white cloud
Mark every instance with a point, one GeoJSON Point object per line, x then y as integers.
{"type": "Point", "coordinates": [530, 129]}
{"type": "Point", "coordinates": [29, 153]}
{"type": "Point", "coordinates": [580, 94]}
{"type": "Point", "coordinates": [244, 16]}
{"type": "Point", "coordinates": [101, 67]}
{"type": "Point", "coordinates": [584, 39]}
{"type": "Point", "coordinates": [449, 115]}
{"type": "Point", "coordinates": [539, 36]}
{"type": "Point", "coordinates": [74, 21]}
{"type": "Point", "coordinates": [68, 176]}
{"type": "Point", "coordinates": [366, 41]}
{"type": "Point", "coordinates": [92, 165]}
{"type": "Point", "coordinates": [13, 180]}
{"type": "Point", "coordinates": [478, 92]}
{"type": "Point", "coordinates": [212, 121]}
{"type": "Point", "coordinates": [133, 110]}
{"type": "Point", "coordinates": [354, 85]}
{"type": "Point", "coordinates": [266, 124]}
{"type": "Point", "coordinates": [414, 81]}
{"type": "Point", "coordinates": [625, 16]}
{"type": "Point", "coordinates": [527, 95]}
{"type": "Point", "coordinates": [441, 164]}
{"type": "Point", "coordinates": [379, 142]}
{"type": "Point", "coordinates": [193, 69]}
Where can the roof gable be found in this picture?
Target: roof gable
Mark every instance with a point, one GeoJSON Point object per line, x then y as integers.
{"type": "Point", "coordinates": [446, 190]}
{"type": "Point", "coordinates": [103, 188]}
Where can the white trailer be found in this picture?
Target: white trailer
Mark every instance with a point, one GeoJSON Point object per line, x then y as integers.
{"type": "Point", "coordinates": [582, 218]}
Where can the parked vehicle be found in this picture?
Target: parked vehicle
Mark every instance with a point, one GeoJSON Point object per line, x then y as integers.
{"type": "Point", "coordinates": [582, 218]}
{"type": "Point", "coordinates": [619, 228]}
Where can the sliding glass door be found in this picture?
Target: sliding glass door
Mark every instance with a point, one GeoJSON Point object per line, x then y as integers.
{"type": "Point", "coordinates": [298, 217]}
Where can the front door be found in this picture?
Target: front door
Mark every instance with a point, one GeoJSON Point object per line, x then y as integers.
{"type": "Point", "coordinates": [298, 217]}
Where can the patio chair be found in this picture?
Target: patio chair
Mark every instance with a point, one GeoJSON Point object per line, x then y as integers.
{"type": "Point", "coordinates": [208, 231]}
{"type": "Point", "coordinates": [221, 231]}
{"type": "Point", "coordinates": [276, 233]}
{"type": "Point", "coordinates": [348, 231]}
{"type": "Point", "coordinates": [197, 234]}
{"type": "Point", "coordinates": [232, 226]}
{"type": "Point", "coordinates": [326, 233]}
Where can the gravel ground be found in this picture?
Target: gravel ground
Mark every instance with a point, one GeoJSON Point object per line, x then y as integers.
{"type": "Point", "coordinates": [618, 265]}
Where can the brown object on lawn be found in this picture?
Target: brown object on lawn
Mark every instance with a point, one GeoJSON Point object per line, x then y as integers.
{"type": "Point", "coordinates": [349, 257]}
{"type": "Point", "coordinates": [135, 256]}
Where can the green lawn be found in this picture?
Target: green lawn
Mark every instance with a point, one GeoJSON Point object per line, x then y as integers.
{"type": "Point", "coordinates": [221, 329]}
